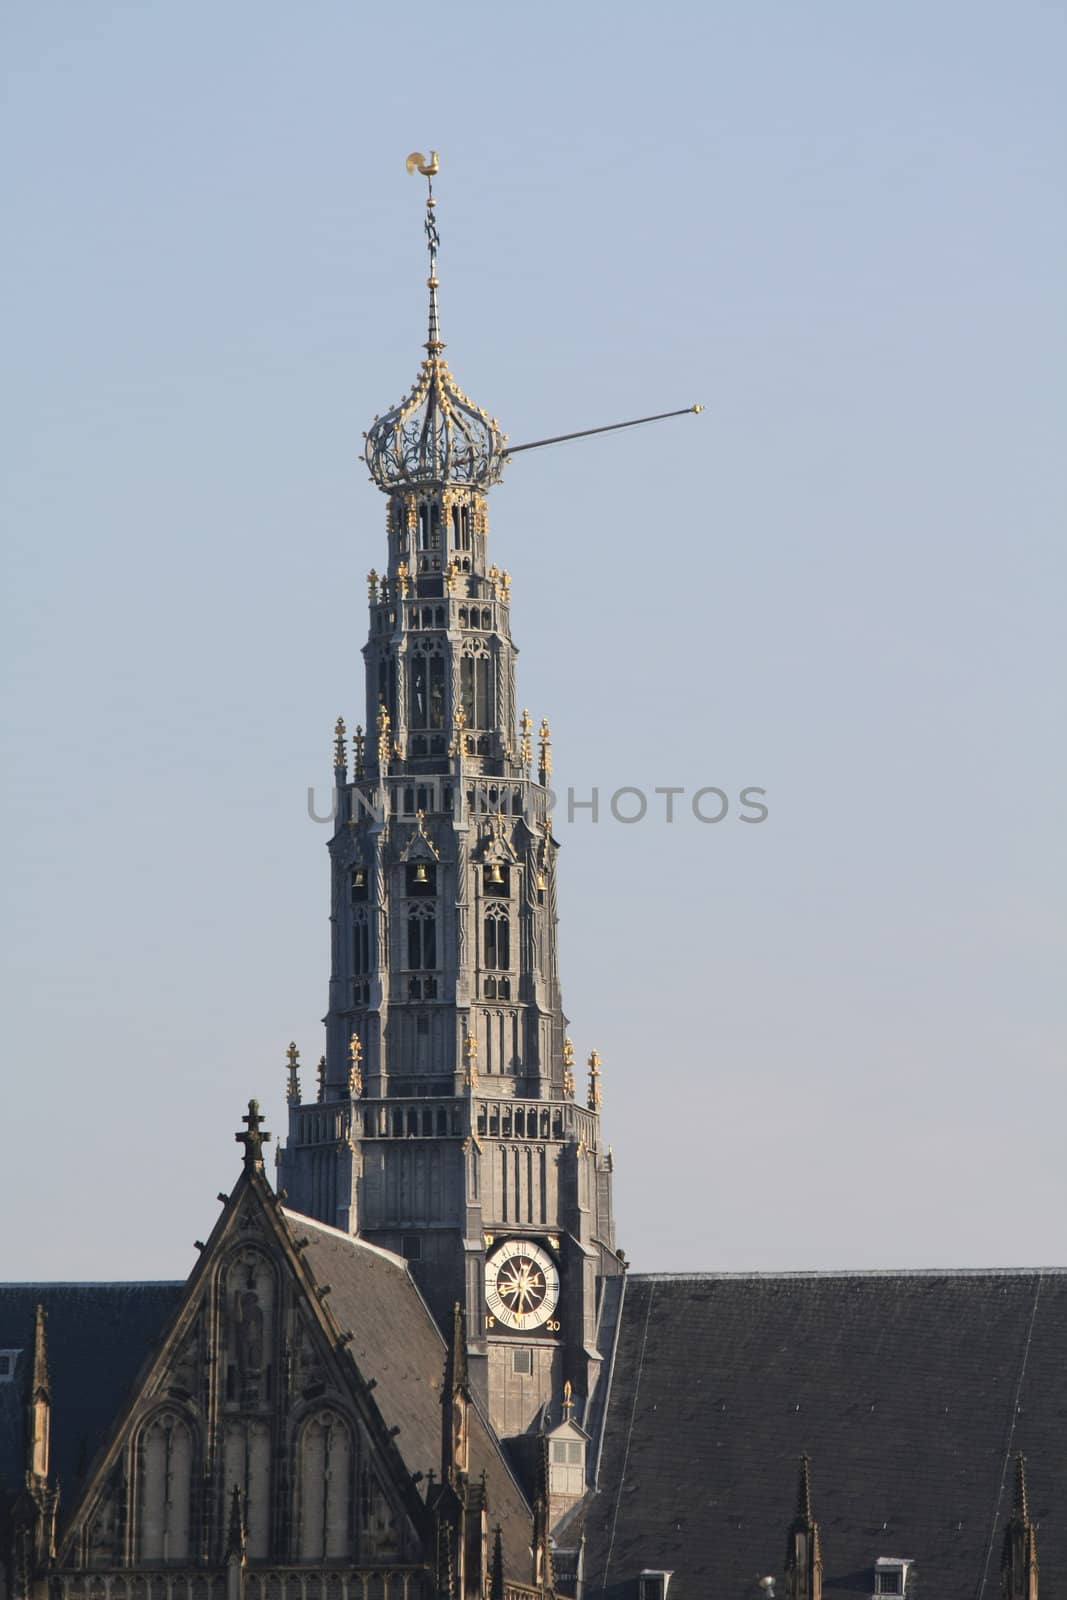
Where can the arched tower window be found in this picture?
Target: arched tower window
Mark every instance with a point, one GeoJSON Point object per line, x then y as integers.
{"type": "Point", "coordinates": [422, 938]}
{"type": "Point", "coordinates": [429, 525]}
{"type": "Point", "coordinates": [496, 940]}
{"type": "Point", "coordinates": [387, 684]}
{"type": "Point", "coordinates": [461, 527]}
{"type": "Point", "coordinates": [360, 943]}
{"type": "Point", "coordinates": [475, 684]}
{"type": "Point", "coordinates": [426, 686]}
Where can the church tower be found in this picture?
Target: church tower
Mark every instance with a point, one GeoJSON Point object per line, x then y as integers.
{"type": "Point", "coordinates": [447, 1125]}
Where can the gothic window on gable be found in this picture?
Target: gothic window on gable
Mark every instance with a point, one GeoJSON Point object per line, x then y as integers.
{"type": "Point", "coordinates": [422, 939]}
{"type": "Point", "coordinates": [165, 1453]}
{"type": "Point", "coordinates": [247, 1461]}
{"type": "Point", "coordinates": [324, 1488]}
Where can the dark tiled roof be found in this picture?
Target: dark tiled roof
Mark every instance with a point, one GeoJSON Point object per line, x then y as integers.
{"type": "Point", "coordinates": [396, 1342]}
{"type": "Point", "coordinates": [907, 1390]}
{"type": "Point", "coordinates": [98, 1335]}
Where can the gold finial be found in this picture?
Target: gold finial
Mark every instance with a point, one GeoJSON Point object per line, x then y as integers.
{"type": "Point", "coordinates": [505, 583]}
{"type": "Point", "coordinates": [321, 1070]}
{"type": "Point", "coordinates": [402, 577]}
{"type": "Point", "coordinates": [545, 752]}
{"type": "Point", "coordinates": [459, 722]}
{"type": "Point", "coordinates": [384, 738]}
{"type": "Point", "coordinates": [292, 1093]}
{"type": "Point", "coordinates": [355, 1069]}
{"type": "Point", "coordinates": [372, 586]}
{"type": "Point", "coordinates": [568, 1400]}
{"type": "Point", "coordinates": [494, 578]}
{"type": "Point", "coordinates": [470, 1057]}
{"type": "Point", "coordinates": [594, 1082]}
{"type": "Point", "coordinates": [358, 743]}
{"type": "Point", "coordinates": [339, 744]}
{"type": "Point", "coordinates": [525, 742]}
{"type": "Point", "coordinates": [451, 573]}
{"type": "Point", "coordinates": [568, 1053]}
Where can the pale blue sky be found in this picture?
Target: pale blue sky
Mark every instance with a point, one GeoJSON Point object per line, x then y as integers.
{"type": "Point", "coordinates": [832, 1040]}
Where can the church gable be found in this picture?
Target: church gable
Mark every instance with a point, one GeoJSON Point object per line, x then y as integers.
{"type": "Point", "coordinates": [253, 1388]}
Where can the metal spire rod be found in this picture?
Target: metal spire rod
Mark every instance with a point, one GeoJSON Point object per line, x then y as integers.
{"type": "Point", "coordinates": [429, 167]}
{"type": "Point", "coordinates": [611, 427]}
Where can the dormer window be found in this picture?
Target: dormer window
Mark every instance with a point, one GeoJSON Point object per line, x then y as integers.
{"type": "Point", "coordinates": [891, 1575]}
{"type": "Point", "coordinates": [653, 1584]}
{"type": "Point", "coordinates": [7, 1365]}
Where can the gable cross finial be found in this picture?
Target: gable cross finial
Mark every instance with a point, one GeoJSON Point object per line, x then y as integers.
{"type": "Point", "coordinates": [568, 1401]}
{"type": "Point", "coordinates": [254, 1138]}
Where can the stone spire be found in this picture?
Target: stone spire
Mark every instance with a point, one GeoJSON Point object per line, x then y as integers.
{"type": "Point", "coordinates": [803, 1553]}
{"type": "Point", "coordinates": [39, 1404]}
{"type": "Point", "coordinates": [541, 1549]}
{"type": "Point", "coordinates": [1018, 1564]}
{"type": "Point", "coordinates": [496, 1571]}
{"type": "Point", "coordinates": [455, 1406]}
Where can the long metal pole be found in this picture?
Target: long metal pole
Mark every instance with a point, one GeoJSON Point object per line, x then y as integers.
{"type": "Point", "coordinates": [611, 427]}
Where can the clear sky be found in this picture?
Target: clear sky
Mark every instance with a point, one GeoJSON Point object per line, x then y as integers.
{"type": "Point", "coordinates": [834, 1039]}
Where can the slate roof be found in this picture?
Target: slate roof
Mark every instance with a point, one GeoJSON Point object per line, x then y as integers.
{"type": "Point", "coordinates": [910, 1392]}
{"type": "Point", "coordinates": [98, 1336]}
{"type": "Point", "coordinates": [397, 1342]}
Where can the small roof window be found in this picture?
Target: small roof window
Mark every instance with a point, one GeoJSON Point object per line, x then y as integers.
{"type": "Point", "coordinates": [653, 1584]}
{"type": "Point", "coordinates": [8, 1361]}
{"type": "Point", "coordinates": [891, 1575]}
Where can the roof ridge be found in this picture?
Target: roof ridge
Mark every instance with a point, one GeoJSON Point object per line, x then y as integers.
{"type": "Point", "coordinates": [844, 1272]}
{"type": "Point", "coordinates": [348, 1238]}
{"type": "Point", "coordinates": [94, 1283]}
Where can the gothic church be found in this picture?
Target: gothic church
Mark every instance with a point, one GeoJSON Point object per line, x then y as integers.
{"type": "Point", "coordinates": [416, 1368]}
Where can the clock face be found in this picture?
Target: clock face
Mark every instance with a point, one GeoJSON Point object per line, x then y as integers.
{"type": "Point", "coordinates": [521, 1284]}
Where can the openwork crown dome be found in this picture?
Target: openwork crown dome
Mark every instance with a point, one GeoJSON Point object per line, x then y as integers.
{"type": "Point", "coordinates": [437, 435]}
